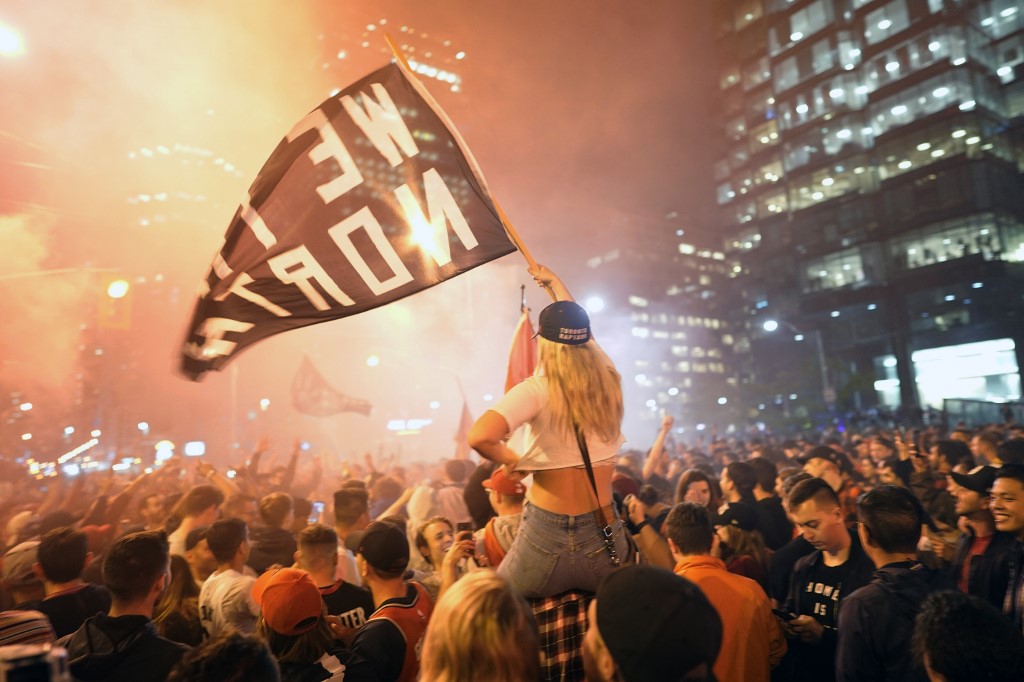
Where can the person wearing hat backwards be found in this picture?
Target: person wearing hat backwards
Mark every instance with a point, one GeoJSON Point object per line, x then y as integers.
{"type": "Point", "coordinates": [294, 623]}
{"type": "Point", "coordinates": [570, 535]}
{"type": "Point", "coordinates": [392, 639]}
{"type": "Point", "coordinates": [981, 561]}
{"type": "Point", "coordinates": [649, 624]}
{"type": "Point", "coordinates": [506, 496]}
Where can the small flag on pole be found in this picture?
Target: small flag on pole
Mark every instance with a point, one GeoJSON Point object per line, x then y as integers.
{"type": "Point", "coordinates": [312, 395]}
{"type": "Point", "coordinates": [522, 356]}
{"type": "Point", "coordinates": [462, 435]}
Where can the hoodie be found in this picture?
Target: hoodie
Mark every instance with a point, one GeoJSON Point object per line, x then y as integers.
{"type": "Point", "coordinates": [123, 648]}
{"type": "Point", "coordinates": [877, 621]}
{"type": "Point", "coordinates": [269, 546]}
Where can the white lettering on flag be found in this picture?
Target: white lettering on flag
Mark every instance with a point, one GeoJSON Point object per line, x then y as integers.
{"type": "Point", "coordinates": [238, 287]}
{"type": "Point", "coordinates": [371, 197]}
{"type": "Point", "coordinates": [342, 236]}
{"type": "Point", "coordinates": [213, 330]}
{"type": "Point", "coordinates": [330, 147]}
{"type": "Point", "coordinates": [298, 267]}
{"type": "Point", "coordinates": [382, 123]}
{"type": "Point", "coordinates": [256, 224]}
{"type": "Point", "coordinates": [432, 234]}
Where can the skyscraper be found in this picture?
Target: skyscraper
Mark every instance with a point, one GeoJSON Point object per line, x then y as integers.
{"type": "Point", "coordinates": [870, 185]}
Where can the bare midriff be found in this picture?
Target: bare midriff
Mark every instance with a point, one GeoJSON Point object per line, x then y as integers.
{"type": "Point", "coordinates": [568, 491]}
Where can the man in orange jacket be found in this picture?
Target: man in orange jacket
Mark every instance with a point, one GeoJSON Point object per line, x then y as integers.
{"type": "Point", "coordinates": [753, 643]}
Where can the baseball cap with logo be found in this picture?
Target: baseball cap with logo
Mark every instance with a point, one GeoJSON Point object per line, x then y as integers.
{"type": "Point", "coordinates": [564, 322]}
{"type": "Point", "coordinates": [289, 600]}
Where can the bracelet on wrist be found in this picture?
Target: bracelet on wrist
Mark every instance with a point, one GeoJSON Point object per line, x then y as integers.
{"type": "Point", "coordinates": [640, 526]}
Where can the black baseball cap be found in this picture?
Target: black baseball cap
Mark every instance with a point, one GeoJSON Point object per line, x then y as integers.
{"type": "Point", "coordinates": [656, 624]}
{"type": "Point", "coordinates": [979, 479]}
{"type": "Point", "coordinates": [384, 546]}
{"type": "Point", "coordinates": [564, 322]}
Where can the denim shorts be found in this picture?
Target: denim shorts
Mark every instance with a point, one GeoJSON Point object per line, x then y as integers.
{"type": "Point", "coordinates": [553, 553]}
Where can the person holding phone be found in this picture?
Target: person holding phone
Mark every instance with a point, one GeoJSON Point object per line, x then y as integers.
{"type": "Point", "coordinates": [570, 535]}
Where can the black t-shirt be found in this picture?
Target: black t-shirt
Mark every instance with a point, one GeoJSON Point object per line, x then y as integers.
{"type": "Point", "coordinates": [68, 610]}
{"type": "Point", "coordinates": [819, 595]}
{"type": "Point", "coordinates": [780, 567]}
{"type": "Point", "coordinates": [817, 590]}
{"type": "Point", "coordinates": [347, 601]}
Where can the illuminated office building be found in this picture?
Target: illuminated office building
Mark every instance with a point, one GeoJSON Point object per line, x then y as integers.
{"type": "Point", "coordinates": [870, 185]}
{"type": "Point", "coordinates": [659, 310]}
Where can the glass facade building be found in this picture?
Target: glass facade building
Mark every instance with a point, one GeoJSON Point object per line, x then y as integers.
{"type": "Point", "coordinates": [661, 312]}
{"type": "Point", "coordinates": [870, 186]}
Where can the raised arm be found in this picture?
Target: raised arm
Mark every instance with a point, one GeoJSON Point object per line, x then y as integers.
{"type": "Point", "coordinates": [656, 456]}
{"type": "Point", "coordinates": [546, 278]}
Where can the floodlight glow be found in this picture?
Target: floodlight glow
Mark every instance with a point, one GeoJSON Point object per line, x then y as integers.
{"type": "Point", "coordinates": [68, 430]}
{"type": "Point", "coordinates": [264, 404]}
{"type": "Point", "coordinates": [144, 427]}
{"type": "Point", "coordinates": [770, 325]}
{"type": "Point", "coordinates": [25, 407]}
{"type": "Point", "coordinates": [195, 448]}
{"type": "Point", "coordinates": [11, 44]}
{"type": "Point", "coordinates": [723, 401]}
{"type": "Point", "coordinates": [117, 289]}
{"type": "Point", "coordinates": [594, 304]}
{"type": "Point", "coordinates": [372, 361]}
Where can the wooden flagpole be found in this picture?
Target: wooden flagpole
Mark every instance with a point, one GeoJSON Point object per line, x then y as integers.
{"type": "Point", "coordinates": [509, 229]}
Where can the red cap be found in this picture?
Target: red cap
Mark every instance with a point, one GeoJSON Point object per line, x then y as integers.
{"type": "Point", "coordinates": [499, 482]}
{"type": "Point", "coordinates": [290, 601]}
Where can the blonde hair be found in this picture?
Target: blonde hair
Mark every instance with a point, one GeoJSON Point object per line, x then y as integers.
{"type": "Point", "coordinates": [583, 386]}
{"type": "Point", "coordinates": [481, 630]}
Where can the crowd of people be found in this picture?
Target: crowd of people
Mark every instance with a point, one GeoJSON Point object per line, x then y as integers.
{"type": "Point", "coordinates": [889, 555]}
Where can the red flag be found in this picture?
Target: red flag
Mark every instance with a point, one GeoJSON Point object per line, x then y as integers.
{"type": "Point", "coordinates": [462, 435]}
{"type": "Point", "coordinates": [522, 356]}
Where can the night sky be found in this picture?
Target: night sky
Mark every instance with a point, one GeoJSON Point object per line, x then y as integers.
{"type": "Point", "coordinates": [584, 116]}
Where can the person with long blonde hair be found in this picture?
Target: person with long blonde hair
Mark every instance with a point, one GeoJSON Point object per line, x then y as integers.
{"type": "Point", "coordinates": [570, 535]}
{"type": "Point", "coordinates": [481, 630]}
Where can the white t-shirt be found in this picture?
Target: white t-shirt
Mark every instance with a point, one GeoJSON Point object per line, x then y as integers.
{"type": "Point", "coordinates": [226, 603]}
{"type": "Point", "coordinates": [347, 569]}
{"type": "Point", "coordinates": [547, 447]}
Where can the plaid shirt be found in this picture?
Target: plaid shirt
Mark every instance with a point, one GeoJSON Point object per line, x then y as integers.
{"type": "Point", "coordinates": [562, 623]}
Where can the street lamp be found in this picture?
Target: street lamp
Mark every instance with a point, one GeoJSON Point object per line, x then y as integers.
{"type": "Point", "coordinates": [827, 392]}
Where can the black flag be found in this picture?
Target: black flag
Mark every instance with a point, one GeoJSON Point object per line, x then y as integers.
{"type": "Point", "coordinates": [372, 197]}
{"type": "Point", "coordinates": [312, 395]}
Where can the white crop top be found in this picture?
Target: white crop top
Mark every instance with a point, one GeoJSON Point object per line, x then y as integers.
{"type": "Point", "coordinates": [547, 447]}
